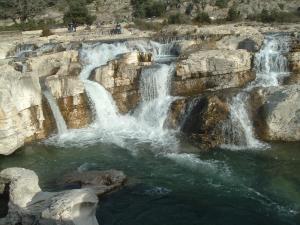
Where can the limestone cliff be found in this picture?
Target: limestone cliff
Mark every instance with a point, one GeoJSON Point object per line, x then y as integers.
{"type": "Point", "coordinates": [212, 70]}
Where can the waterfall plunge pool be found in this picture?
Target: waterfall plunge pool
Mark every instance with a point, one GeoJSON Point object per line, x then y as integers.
{"type": "Point", "coordinates": [220, 187]}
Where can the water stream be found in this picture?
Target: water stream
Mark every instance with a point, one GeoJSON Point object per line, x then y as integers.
{"type": "Point", "coordinates": [271, 67]}
{"type": "Point", "coordinates": [59, 120]}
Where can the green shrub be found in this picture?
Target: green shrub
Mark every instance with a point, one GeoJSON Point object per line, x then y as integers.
{"type": "Point", "coordinates": [46, 32]}
{"type": "Point", "coordinates": [178, 18]}
{"type": "Point", "coordinates": [222, 3]}
{"type": "Point", "coordinates": [148, 8]}
{"type": "Point", "coordinates": [78, 13]}
{"type": "Point", "coordinates": [202, 17]}
{"type": "Point", "coordinates": [267, 17]}
{"type": "Point", "coordinates": [233, 14]}
{"type": "Point", "coordinates": [275, 16]}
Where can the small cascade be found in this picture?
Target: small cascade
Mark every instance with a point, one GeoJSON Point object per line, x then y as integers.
{"type": "Point", "coordinates": [155, 90]}
{"type": "Point", "coordinates": [271, 67]}
{"type": "Point", "coordinates": [59, 120]}
{"type": "Point", "coordinates": [145, 124]}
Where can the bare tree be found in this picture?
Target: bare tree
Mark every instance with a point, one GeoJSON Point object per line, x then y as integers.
{"type": "Point", "coordinates": [20, 9]}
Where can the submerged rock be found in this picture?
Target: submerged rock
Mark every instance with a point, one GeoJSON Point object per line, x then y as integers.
{"type": "Point", "coordinates": [101, 182]}
{"type": "Point", "coordinates": [277, 113]}
{"type": "Point", "coordinates": [212, 70]}
{"type": "Point", "coordinates": [28, 204]}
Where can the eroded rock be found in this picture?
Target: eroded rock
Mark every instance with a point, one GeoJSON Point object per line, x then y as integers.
{"type": "Point", "coordinates": [121, 78]}
{"type": "Point", "coordinates": [28, 204]}
{"type": "Point", "coordinates": [71, 98]}
{"type": "Point", "coordinates": [22, 117]}
{"type": "Point", "coordinates": [200, 118]}
{"type": "Point", "coordinates": [277, 113]}
{"type": "Point", "coordinates": [212, 70]}
{"type": "Point", "coordinates": [101, 182]}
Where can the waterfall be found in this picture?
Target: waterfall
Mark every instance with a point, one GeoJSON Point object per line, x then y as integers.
{"type": "Point", "coordinates": [145, 124]}
{"type": "Point", "coordinates": [155, 90]}
{"type": "Point", "coordinates": [271, 67]}
{"type": "Point", "coordinates": [59, 120]}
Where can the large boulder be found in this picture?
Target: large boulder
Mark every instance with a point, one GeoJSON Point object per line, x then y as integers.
{"type": "Point", "coordinates": [29, 205]}
{"type": "Point", "coordinates": [212, 70]}
{"type": "Point", "coordinates": [22, 110]}
{"type": "Point", "coordinates": [276, 113]}
{"type": "Point", "coordinates": [121, 78]}
{"type": "Point", "coordinates": [201, 118]}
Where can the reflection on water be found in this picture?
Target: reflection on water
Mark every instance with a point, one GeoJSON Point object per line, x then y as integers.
{"type": "Point", "coordinates": [220, 187]}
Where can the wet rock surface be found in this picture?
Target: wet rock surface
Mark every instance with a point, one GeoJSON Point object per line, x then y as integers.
{"type": "Point", "coordinates": [101, 182]}
{"type": "Point", "coordinates": [201, 118]}
{"type": "Point", "coordinates": [121, 78]}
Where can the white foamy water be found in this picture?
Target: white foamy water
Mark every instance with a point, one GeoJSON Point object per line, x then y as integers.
{"type": "Point", "coordinates": [59, 120]}
{"type": "Point", "coordinates": [145, 125]}
{"type": "Point", "coordinates": [271, 67]}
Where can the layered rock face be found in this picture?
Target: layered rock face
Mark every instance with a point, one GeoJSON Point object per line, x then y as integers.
{"type": "Point", "coordinates": [22, 107]}
{"type": "Point", "coordinates": [121, 78]}
{"type": "Point", "coordinates": [212, 70]}
{"type": "Point", "coordinates": [28, 204]}
{"type": "Point", "coordinates": [294, 61]}
{"type": "Point", "coordinates": [276, 113]}
{"type": "Point", "coordinates": [25, 114]}
{"type": "Point", "coordinates": [71, 98]}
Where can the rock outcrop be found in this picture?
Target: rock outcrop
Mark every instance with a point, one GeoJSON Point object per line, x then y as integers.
{"type": "Point", "coordinates": [212, 70]}
{"type": "Point", "coordinates": [200, 118]}
{"type": "Point", "coordinates": [276, 113]}
{"type": "Point", "coordinates": [294, 61]}
{"type": "Point", "coordinates": [250, 42]}
{"type": "Point", "coordinates": [22, 107]}
{"type": "Point", "coordinates": [28, 204]}
{"type": "Point", "coordinates": [71, 98]}
{"type": "Point", "coordinates": [25, 115]}
{"type": "Point", "coordinates": [121, 78]}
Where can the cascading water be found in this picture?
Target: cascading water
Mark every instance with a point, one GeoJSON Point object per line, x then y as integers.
{"type": "Point", "coordinates": [145, 125]}
{"type": "Point", "coordinates": [155, 90]}
{"type": "Point", "coordinates": [271, 67]}
{"type": "Point", "coordinates": [60, 122]}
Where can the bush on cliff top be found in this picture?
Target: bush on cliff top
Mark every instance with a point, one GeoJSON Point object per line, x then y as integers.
{"type": "Point", "coordinates": [148, 8]}
{"type": "Point", "coordinates": [78, 13]}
